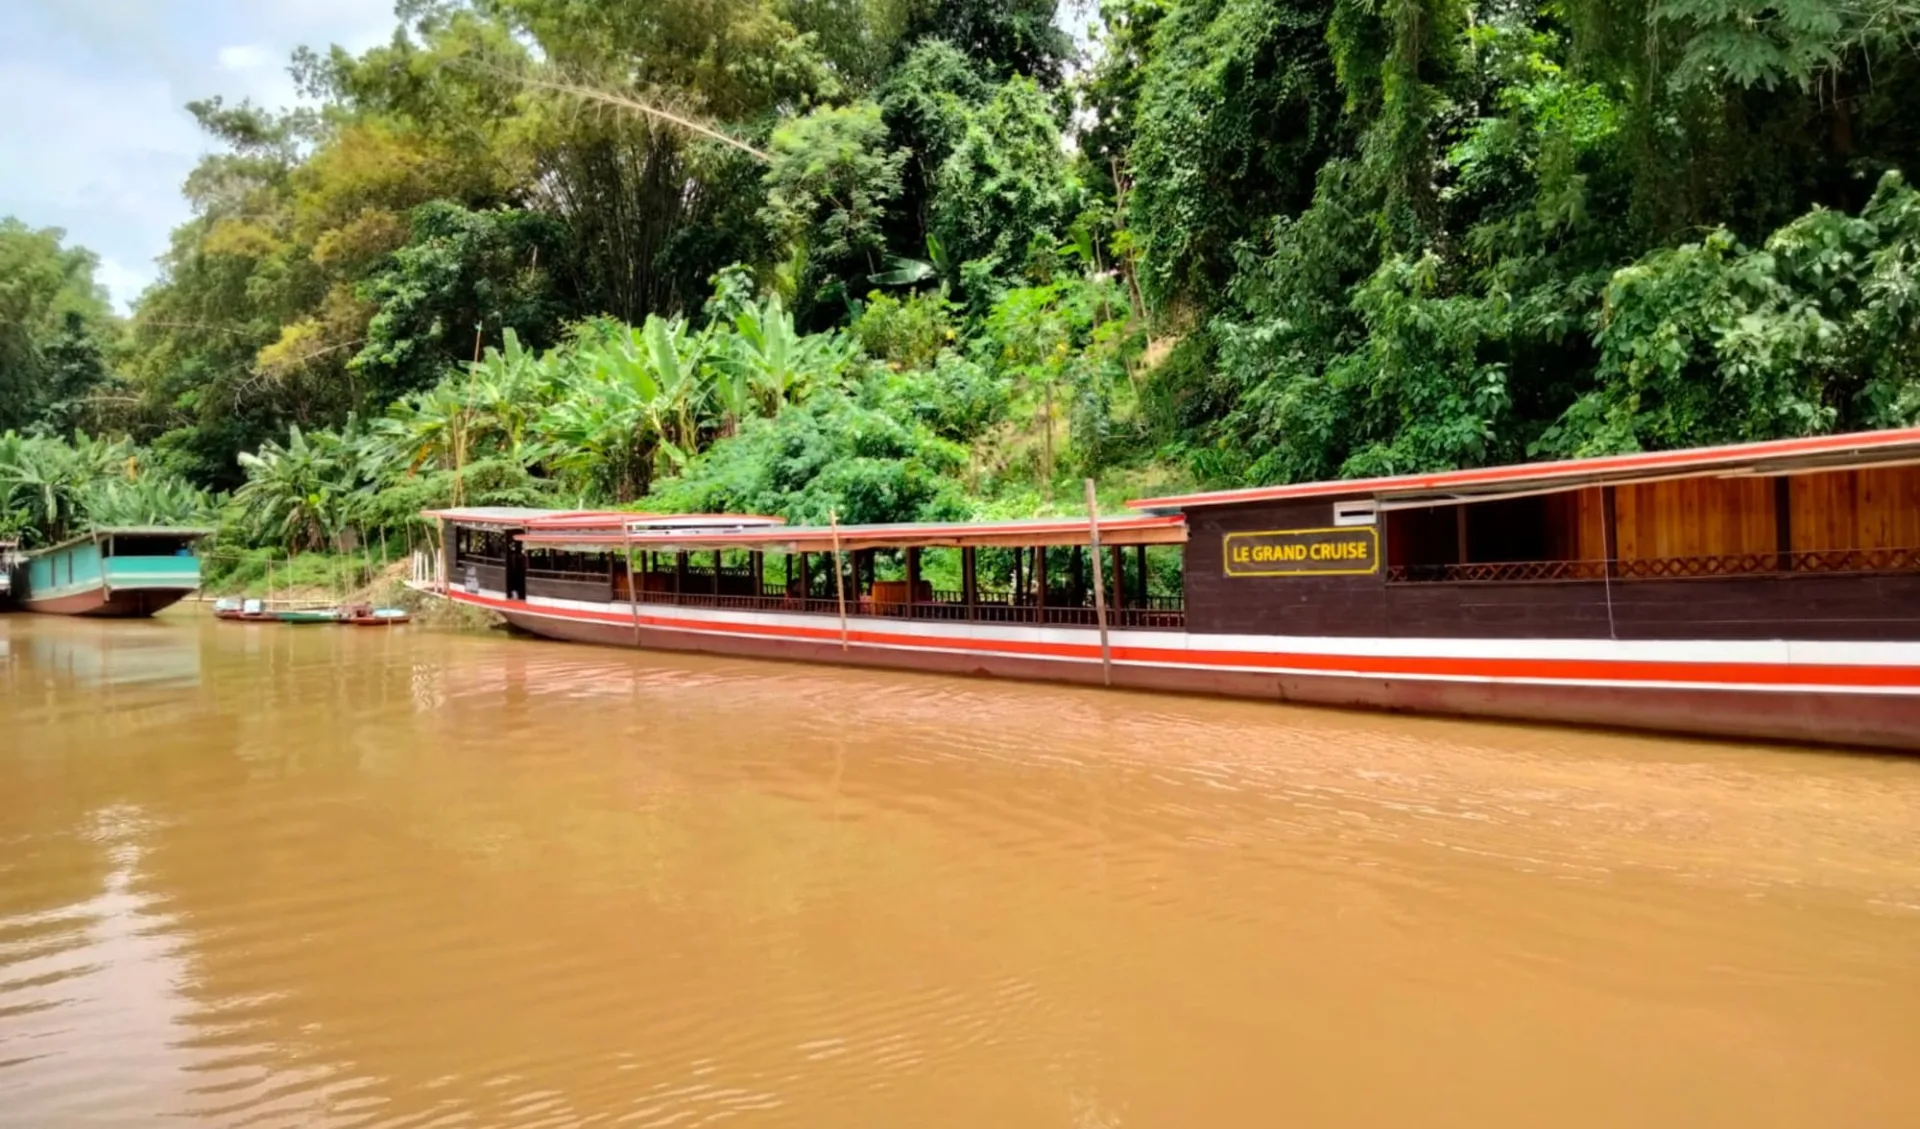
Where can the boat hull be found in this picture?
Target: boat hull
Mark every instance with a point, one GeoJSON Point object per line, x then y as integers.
{"type": "Point", "coordinates": [120, 603]}
{"type": "Point", "coordinates": [1830, 697]}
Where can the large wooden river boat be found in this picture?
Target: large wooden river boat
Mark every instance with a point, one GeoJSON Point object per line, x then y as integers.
{"type": "Point", "coordinates": [1768, 590]}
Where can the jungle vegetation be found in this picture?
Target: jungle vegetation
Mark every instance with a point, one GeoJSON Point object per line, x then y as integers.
{"type": "Point", "coordinates": [929, 259]}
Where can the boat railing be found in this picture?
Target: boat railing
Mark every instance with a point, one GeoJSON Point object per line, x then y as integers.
{"type": "Point", "coordinates": [1163, 612]}
{"type": "Point", "coordinates": [1805, 562]}
{"type": "Point", "coordinates": [591, 576]}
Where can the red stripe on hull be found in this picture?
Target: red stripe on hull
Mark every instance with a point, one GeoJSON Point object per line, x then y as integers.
{"type": "Point", "coordinates": [1808, 716]}
{"type": "Point", "coordinates": [1851, 678]}
{"type": "Point", "coordinates": [127, 603]}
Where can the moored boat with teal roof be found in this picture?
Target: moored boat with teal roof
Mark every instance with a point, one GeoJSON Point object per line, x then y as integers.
{"type": "Point", "coordinates": [124, 571]}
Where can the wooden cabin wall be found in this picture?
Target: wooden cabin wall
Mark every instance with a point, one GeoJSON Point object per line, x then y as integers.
{"type": "Point", "coordinates": [1695, 517]}
{"type": "Point", "coordinates": [1577, 525]}
{"type": "Point", "coordinates": [1862, 606]}
{"type": "Point", "coordinates": [1876, 508]}
{"type": "Point", "coordinates": [1285, 605]}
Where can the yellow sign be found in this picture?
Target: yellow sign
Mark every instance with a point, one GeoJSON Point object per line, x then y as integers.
{"type": "Point", "coordinates": [1354, 551]}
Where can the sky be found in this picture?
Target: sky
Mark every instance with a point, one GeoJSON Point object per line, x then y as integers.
{"type": "Point", "coordinates": [94, 134]}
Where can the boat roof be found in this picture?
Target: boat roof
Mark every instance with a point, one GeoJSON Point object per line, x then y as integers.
{"type": "Point", "coordinates": [1774, 457]}
{"type": "Point", "coordinates": [613, 521]}
{"type": "Point", "coordinates": [516, 516]}
{"type": "Point", "coordinates": [1125, 529]}
{"type": "Point", "coordinates": [642, 522]}
{"type": "Point", "coordinates": [190, 534]}
{"type": "Point", "coordinates": [99, 532]}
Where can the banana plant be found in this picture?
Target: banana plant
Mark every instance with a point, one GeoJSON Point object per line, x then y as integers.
{"type": "Point", "coordinates": [295, 494]}
{"type": "Point", "coordinates": [46, 479]}
{"type": "Point", "coordinates": [685, 399]}
{"type": "Point", "coordinates": [781, 366]}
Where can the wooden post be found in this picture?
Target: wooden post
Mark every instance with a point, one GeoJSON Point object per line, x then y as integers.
{"type": "Point", "coordinates": [1119, 577]}
{"type": "Point", "coordinates": [1040, 584]}
{"type": "Point", "coordinates": [633, 584]}
{"type": "Point", "coordinates": [1099, 585]}
{"type": "Point", "coordinates": [1077, 565]}
{"type": "Point", "coordinates": [679, 575]}
{"type": "Point", "coordinates": [1140, 566]}
{"type": "Point", "coordinates": [806, 578]}
{"type": "Point", "coordinates": [1610, 546]}
{"type": "Point", "coordinates": [970, 582]}
{"type": "Point", "coordinates": [717, 554]}
{"type": "Point", "coordinates": [1783, 524]}
{"type": "Point", "coordinates": [1460, 533]}
{"type": "Point", "coordinates": [839, 576]}
{"type": "Point", "coordinates": [913, 578]}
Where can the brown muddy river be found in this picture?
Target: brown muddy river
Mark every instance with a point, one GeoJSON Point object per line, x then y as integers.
{"type": "Point", "coordinates": [280, 876]}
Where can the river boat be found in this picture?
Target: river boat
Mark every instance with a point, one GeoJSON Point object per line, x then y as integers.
{"type": "Point", "coordinates": [124, 571]}
{"type": "Point", "coordinates": [1767, 590]}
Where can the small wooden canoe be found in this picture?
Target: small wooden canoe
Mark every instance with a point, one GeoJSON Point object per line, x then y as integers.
{"type": "Point", "coordinates": [375, 617]}
{"type": "Point", "coordinates": [309, 615]}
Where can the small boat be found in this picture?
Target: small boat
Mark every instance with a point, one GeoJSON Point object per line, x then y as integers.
{"type": "Point", "coordinates": [362, 615]}
{"type": "Point", "coordinates": [235, 610]}
{"type": "Point", "coordinates": [308, 615]}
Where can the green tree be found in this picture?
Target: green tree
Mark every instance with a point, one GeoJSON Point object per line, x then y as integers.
{"type": "Point", "coordinates": [1238, 109]}
{"type": "Point", "coordinates": [1006, 184]}
{"type": "Point", "coordinates": [460, 272]}
{"type": "Point", "coordinates": [55, 328]}
{"type": "Point", "coordinates": [829, 182]}
{"type": "Point", "coordinates": [1007, 37]}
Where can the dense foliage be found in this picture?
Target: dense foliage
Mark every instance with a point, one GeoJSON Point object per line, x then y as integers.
{"type": "Point", "coordinates": [911, 258]}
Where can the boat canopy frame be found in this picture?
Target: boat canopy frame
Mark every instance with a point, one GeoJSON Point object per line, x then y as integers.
{"type": "Point", "coordinates": [1115, 531]}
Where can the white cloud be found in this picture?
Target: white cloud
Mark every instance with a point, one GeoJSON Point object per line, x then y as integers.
{"type": "Point", "coordinates": [250, 57]}
{"type": "Point", "coordinates": [123, 283]}
{"type": "Point", "coordinates": [94, 137]}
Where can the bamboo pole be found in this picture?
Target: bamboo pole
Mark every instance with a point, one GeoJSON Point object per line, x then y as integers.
{"type": "Point", "coordinates": [1099, 585]}
{"type": "Point", "coordinates": [839, 576]}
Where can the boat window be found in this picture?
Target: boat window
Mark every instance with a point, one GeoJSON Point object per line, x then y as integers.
{"type": "Point", "coordinates": [484, 546]}
{"type": "Point", "coordinates": [1441, 542]}
{"type": "Point", "coordinates": [124, 545]}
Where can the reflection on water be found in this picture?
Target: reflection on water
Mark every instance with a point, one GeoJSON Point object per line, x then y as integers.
{"type": "Point", "coordinates": [263, 876]}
